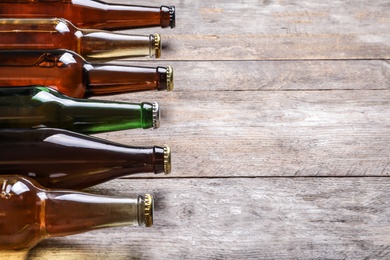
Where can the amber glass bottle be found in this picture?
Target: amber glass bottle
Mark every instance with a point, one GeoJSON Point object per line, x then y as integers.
{"type": "Point", "coordinates": [91, 14]}
{"type": "Point", "coordinates": [70, 74]}
{"type": "Point", "coordinates": [33, 107]}
{"type": "Point", "coordinates": [63, 159]}
{"type": "Point", "coordinates": [46, 34]}
{"type": "Point", "coordinates": [31, 213]}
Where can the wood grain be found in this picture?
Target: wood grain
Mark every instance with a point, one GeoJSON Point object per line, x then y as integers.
{"type": "Point", "coordinates": [193, 76]}
{"type": "Point", "coordinates": [278, 30]}
{"type": "Point", "coordinates": [273, 118]}
{"type": "Point", "coordinates": [280, 131]}
{"type": "Point", "coordinates": [272, 133]}
{"type": "Point", "coordinates": [251, 218]}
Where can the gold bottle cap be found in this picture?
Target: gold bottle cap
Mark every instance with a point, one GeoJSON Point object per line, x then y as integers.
{"type": "Point", "coordinates": [167, 159]}
{"type": "Point", "coordinates": [157, 45]}
{"type": "Point", "coordinates": [156, 115]}
{"type": "Point", "coordinates": [169, 78]}
{"type": "Point", "coordinates": [149, 208]}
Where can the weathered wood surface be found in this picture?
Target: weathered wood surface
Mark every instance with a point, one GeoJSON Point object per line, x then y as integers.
{"type": "Point", "coordinates": [280, 131]}
{"type": "Point", "coordinates": [194, 76]}
{"type": "Point", "coordinates": [273, 118]}
{"type": "Point", "coordinates": [243, 218]}
{"type": "Point", "coordinates": [279, 30]}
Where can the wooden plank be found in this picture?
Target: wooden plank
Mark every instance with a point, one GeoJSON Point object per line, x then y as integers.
{"type": "Point", "coordinates": [255, 218]}
{"type": "Point", "coordinates": [270, 133]}
{"type": "Point", "coordinates": [278, 30]}
{"type": "Point", "coordinates": [274, 75]}
{"type": "Point", "coordinates": [265, 91]}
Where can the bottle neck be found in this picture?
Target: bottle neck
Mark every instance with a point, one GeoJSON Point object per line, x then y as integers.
{"type": "Point", "coordinates": [106, 117]}
{"type": "Point", "coordinates": [120, 16]}
{"type": "Point", "coordinates": [68, 213]}
{"type": "Point", "coordinates": [113, 79]}
{"type": "Point", "coordinates": [79, 173]}
{"type": "Point", "coordinates": [105, 45]}
{"type": "Point", "coordinates": [106, 166]}
{"type": "Point", "coordinates": [95, 116]}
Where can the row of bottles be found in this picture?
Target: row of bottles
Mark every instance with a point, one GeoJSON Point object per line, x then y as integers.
{"type": "Point", "coordinates": [52, 58]}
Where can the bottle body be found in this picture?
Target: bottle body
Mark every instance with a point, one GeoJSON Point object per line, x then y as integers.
{"type": "Point", "coordinates": [63, 159]}
{"type": "Point", "coordinates": [91, 14]}
{"type": "Point", "coordinates": [33, 107]}
{"type": "Point", "coordinates": [31, 213]}
{"type": "Point", "coordinates": [70, 74]}
{"type": "Point", "coordinates": [55, 33]}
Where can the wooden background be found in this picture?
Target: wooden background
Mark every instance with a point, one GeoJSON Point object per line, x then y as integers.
{"type": "Point", "coordinates": [280, 131]}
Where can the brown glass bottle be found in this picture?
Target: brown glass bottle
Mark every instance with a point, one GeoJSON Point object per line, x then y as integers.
{"type": "Point", "coordinates": [47, 34]}
{"type": "Point", "coordinates": [91, 14]}
{"type": "Point", "coordinates": [70, 74]}
{"type": "Point", "coordinates": [31, 213]}
{"type": "Point", "coordinates": [63, 159]}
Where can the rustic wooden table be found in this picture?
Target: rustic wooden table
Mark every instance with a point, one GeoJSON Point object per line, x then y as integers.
{"type": "Point", "coordinates": [280, 131]}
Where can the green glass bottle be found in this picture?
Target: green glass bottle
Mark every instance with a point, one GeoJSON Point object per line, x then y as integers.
{"type": "Point", "coordinates": [36, 106]}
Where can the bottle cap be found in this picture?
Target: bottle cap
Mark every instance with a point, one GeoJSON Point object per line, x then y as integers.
{"type": "Point", "coordinates": [149, 208]}
{"type": "Point", "coordinates": [168, 16]}
{"type": "Point", "coordinates": [165, 78]}
{"type": "Point", "coordinates": [156, 115]}
{"type": "Point", "coordinates": [157, 45]}
{"type": "Point", "coordinates": [169, 78]}
{"type": "Point", "coordinates": [167, 159]}
{"type": "Point", "coordinates": [172, 17]}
